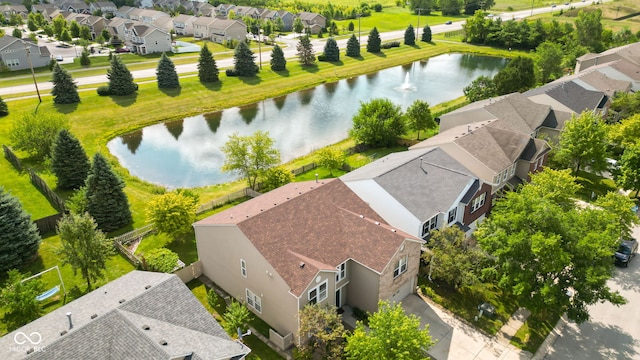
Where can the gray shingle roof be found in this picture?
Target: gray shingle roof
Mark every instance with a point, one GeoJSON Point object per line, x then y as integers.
{"type": "Point", "coordinates": [121, 311]}
{"type": "Point", "coordinates": [572, 95]}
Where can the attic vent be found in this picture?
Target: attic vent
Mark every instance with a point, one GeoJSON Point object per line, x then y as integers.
{"type": "Point", "coordinates": [147, 287]}
{"type": "Point", "coordinates": [122, 300]}
{"type": "Point", "coordinates": [301, 265]}
{"type": "Point", "coordinates": [94, 316]}
{"type": "Point", "coordinates": [394, 230]}
{"type": "Point", "coordinates": [163, 342]}
{"type": "Point", "coordinates": [63, 332]}
{"type": "Point", "coordinates": [145, 327]}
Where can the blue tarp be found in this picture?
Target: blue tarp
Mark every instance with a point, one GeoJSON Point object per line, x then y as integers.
{"type": "Point", "coordinates": [49, 293]}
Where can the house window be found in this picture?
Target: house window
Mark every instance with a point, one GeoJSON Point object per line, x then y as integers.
{"type": "Point", "coordinates": [342, 271]}
{"type": "Point", "coordinates": [254, 301]}
{"type": "Point", "coordinates": [513, 169]}
{"type": "Point", "coordinates": [505, 174]}
{"type": "Point", "coordinates": [13, 62]}
{"type": "Point", "coordinates": [478, 202]}
{"type": "Point", "coordinates": [318, 293]}
{"type": "Point", "coordinates": [401, 266]}
{"type": "Point", "coordinates": [429, 225]}
{"type": "Point", "coordinates": [243, 268]}
{"type": "Point", "coordinates": [452, 215]}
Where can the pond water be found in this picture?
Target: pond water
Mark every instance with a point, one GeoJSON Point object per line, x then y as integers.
{"type": "Point", "coordinates": [186, 153]}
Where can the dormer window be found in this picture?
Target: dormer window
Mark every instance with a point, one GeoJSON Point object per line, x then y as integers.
{"type": "Point", "coordinates": [342, 271]}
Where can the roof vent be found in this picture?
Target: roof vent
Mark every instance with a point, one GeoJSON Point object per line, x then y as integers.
{"type": "Point", "coordinates": [301, 265]}
{"type": "Point", "coordinates": [469, 128]}
{"type": "Point", "coordinates": [163, 342]}
{"type": "Point", "coordinates": [122, 300]}
{"type": "Point", "coordinates": [63, 332]}
{"type": "Point", "coordinates": [94, 316]}
{"type": "Point", "coordinates": [394, 230]}
{"type": "Point", "coordinates": [361, 216]}
{"type": "Point", "coordinates": [147, 287]}
{"type": "Point", "coordinates": [377, 222]}
{"type": "Point", "coordinates": [145, 327]}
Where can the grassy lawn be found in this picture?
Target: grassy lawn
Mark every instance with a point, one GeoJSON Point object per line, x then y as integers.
{"type": "Point", "coordinates": [259, 350]}
{"type": "Point", "coordinates": [594, 184]}
{"type": "Point", "coordinates": [394, 18]}
{"type": "Point", "coordinates": [534, 331]}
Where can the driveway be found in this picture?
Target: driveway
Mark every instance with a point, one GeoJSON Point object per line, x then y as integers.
{"type": "Point", "coordinates": [613, 332]}
{"type": "Point", "coordinates": [455, 340]}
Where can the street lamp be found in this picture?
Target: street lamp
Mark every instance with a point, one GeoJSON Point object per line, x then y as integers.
{"type": "Point", "coordinates": [418, 28]}
{"type": "Point", "coordinates": [359, 41]}
{"type": "Point", "coordinates": [35, 83]}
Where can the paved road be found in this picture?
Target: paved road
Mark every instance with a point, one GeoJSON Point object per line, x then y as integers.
{"type": "Point", "coordinates": [613, 332]}
{"type": "Point", "coordinates": [289, 50]}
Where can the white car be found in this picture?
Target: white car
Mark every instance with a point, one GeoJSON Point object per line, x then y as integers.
{"type": "Point", "coordinates": [59, 58]}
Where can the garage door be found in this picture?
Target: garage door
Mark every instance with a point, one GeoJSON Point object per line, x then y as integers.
{"type": "Point", "coordinates": [402, 292]}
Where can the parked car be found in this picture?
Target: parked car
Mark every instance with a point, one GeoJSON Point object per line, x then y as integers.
{"type": "Point", "coordinates": [59, 58]}
{"type": "Point", "coordinates": [123, 50]}
{"type": "Point", "coordinates": [449, 22]}
{"type": "Point", "coordinates": [626, 250]}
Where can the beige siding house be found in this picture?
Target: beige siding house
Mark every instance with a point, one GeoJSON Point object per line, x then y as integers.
{"type": "Point", "coordinates": [148, 39]}
{"type": "Point", "coordinates": [224, 30]}
{"type": "Point", "coordinates": [310, 242]}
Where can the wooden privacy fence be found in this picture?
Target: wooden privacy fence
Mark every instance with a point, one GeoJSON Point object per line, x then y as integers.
{"type": "Point", "coordinates": [226, 199]}
{"type": "Point", "coordinates": [304, 169]}
{"type": "Point", "coordinates": [53, 198]}
{"type": "Point", "coordinates": [48, 224]}
{"type": "Point", "coordinates": [13, 159]}
{"type": "Point", "coordinates": [126, 239]}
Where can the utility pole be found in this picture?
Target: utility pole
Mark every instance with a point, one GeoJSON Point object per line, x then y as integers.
{"type": "Point", "coordinates": [418, 28]}
{"type": "Point", "coordinates": [532, 1]}
{"type": "Point", "coordinates": [33, 74]}
{"type": "Point", "coordinates": [359, 41]}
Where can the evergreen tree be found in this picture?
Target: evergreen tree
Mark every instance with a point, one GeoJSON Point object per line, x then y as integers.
{"type": "Point", "coordinates": [278, 62]}
{"type": "Point", "coordinates": [19, 238]}
{"type": "Point", "coordinates": [65, 90]}
{"type": "Point", "coordinates": [410, 36]}
{"type": "Point", "coordinates": [106, 201]}
{"type": "Point", "coordinates": [331, 50]}
{"type": "Point", "coordinates": [69, 161]}
{"type": "Point", "coordinates": [207, 68]}
{"type": "Point", "coordinates": [166, 73]}
{"type": "Point", "coordinates": [4, 109]}
{"type": "Point", "coordinates": [244, 59]}
{"type": "Point", "coordinates": [305, 51]}
{"type": "Point", "coordinates": [120, 78]}
{"type": "Point", "coordinates": [84, 57]}
{"type": "Point", "coordinates": [373, 44]}
{"type": "Point", "coordinates": [426, 34]}
{"type": "Point", "coordinates": [353, 46]}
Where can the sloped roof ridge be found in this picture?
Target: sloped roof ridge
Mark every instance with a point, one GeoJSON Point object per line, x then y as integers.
{"type": "Point", "coordinates": [404, 163]}
{"type": "Point", "coordinates": [307, 260]}
{"type": "Point", "coordinates": [449, 169]}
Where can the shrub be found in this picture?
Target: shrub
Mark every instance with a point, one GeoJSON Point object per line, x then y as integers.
{"type": "Point", "coordinates": [377, 7]}
{"type": "Point", "coordinates": [322, 57]}
{"type": "Point", "coordinates": [390, 44]}
{"type": "Point", "coordinates": [103, 90]}
{"type": "Point", "coordinates": [231, 72]}
{"type": "Point", "coordinates": [162, 260]}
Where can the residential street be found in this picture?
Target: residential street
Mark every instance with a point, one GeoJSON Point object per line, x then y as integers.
{"type": "Point", "coordinates": [613, 332]}
{"type": "Point", "coordinates": [289, 50]}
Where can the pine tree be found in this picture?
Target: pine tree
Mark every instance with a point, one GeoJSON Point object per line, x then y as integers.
{"type": "Point", "coordinates": [166, 73]}
{"type": "Point", "coordinates": [305, 51]}
{"type": "Point", "coordinates": [65, 90]}
{"type": "Point", "coordinates": [69, 161]}
{"type": "Point", "coordinates": [244, 59]}
{"type": "Point", "coordinates": [207, 68]}
{"type": "Point", "coordinates": [4, 109]}
{"type": "Point", "coordinates": [426, 34]}
{"type": "Point", "coordinates": [84, 57]}
{"type": "Point", "coordinates": [331, 50]}
{"type": "Point", "coordinates": [410, 36]}
{"type": "Point", "coordinates": [106, 201]}
{"type": "Point", "coordinates": [19, 238]}
{"type": "Point", "coordinates": [120, 78]}
{"type": "Point", "coordinates": [353, 46]}
{"type": "Point", "coordinates": [278, 62]}
{"type": "Point", "coordinates": [373, 44]}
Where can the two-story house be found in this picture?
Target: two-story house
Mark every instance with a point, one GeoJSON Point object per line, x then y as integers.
{"type": "Point", "coordinates": [16, 53]}
{"type": "Point", "coordinates": [306, 243]}
{"type": "Point", "coordinates": [183, 24]}
{"type": "Point", "coordinates": [147, 39]}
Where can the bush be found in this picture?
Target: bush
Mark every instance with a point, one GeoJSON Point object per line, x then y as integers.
{"type": "Point", "coordinates": [161, 260]}
{"type": "Point", "coordinates": [103, 90]}
{"type": "Point", "coordinates": [322, 57]}
{"type": "Point", "coordinates": [377, 7]}
{"type": "Point", "coordinates": [390, 44]}
{"type": "Point", "coordinates": [231, 72]}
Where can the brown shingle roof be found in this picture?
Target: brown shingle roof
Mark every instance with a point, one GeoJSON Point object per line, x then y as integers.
{"type": "Point", "coordinates": [318, 224]}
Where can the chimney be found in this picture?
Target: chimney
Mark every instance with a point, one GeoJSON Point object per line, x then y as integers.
{"type": "Point", "coordinates": [70, 322]}
{"type": "Point", "coordinates": [469, 129]}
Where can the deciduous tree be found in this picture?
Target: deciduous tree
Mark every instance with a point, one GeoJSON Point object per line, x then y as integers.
{"type": "Point", "coordinates": [106, 201]}
{"type": "Point", "coordinates": [419, 117]}
{"type": "Point", "coordinates": [278, 62]}
{"type": "Point", "coordinates": [172, 213]}
{"type": "Point", "coordinates": [298, 26]}
{"type": "Point", "coordinates": [392, 335]}
{"type": "Point", "coordinates": [236, 317]}
{"type": "Point", "coordinates": [374, 41]}
{"type": "Point", "coordinates": [19, 237]}
{"type": "Point", "coordinates": [35, 133]}
{"type": "Point", "coordinates": [69, 161]}
{"type": "Point", "coordinates": [166, 73]}
{"type": "Point", "coordinates": [378, 123]}
{"type": "Point", "coordinates": [353, 46]}
{"type": "Point", "coordinates": [306, 54]}
{"type": "Point", "coordinates": [330, 158]}
{"type": "Point", "coordinates": [481, 88]}
{"type": "Point", "coordinates": [584, 142]}
{"type": "Point", "coordinates": [207, 68]}
{"type": "Point", "coordinates": [331, 50]}
{"type": "Point", "coordinates": [250, 156]}
{"type": "Point", "coordinates": [161, 260]}
{"type": "Point", "coordinates": [275, 177]}
{"type": "Point", "coordinates": [517, 76]}
{"type": "Point", "coordinates": [74, 29]}
{"type": "Point", "coordinates": [244, 60]}
{"type": "Point", "coordinates": [120, 78]}
{"type": "Point", "coordinates": [321, 331]}
{"type": "Point", "coordinates": [85, 60]}
{"type": "Point", "coordinates": [547, 251]}
{"type": "Point", "coordinates": [19, 299]}
{"type": "Point", "coordinates": [589, 29]}
{"type": "Point", "coordinates": [84, 247]}
{"type": "Point", "coordinates": [65, 90]}
{"type": "Point", "coordinates": [629, 177]}
{"type": "Point", "coordinates": [548, 61]}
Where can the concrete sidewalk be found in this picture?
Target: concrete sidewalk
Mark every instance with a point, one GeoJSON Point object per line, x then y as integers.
{"type": "Point", "coordinates": [455, 339]}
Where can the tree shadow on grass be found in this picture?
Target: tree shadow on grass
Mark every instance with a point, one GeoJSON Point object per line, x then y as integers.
{"type": "Point", "coordinates": [173, 92]}
{"type": "Point", "coordinates": [311, 68]}
{"type": "Point", "coordinates": [283, 73]}
{"type": "Point", "coordinates": [215, 86]}
{"type": "Point", "coordinates": [66, 108]}
{"type": "Point", "coordinates": [250, 80]}
{"type": "Point", "coordinates": [125, 100]}
{"type": "Point", "coordinates": [379, 54]}
{"type": "Point", "coordinates": [359, 57]}
{"type": "Point", "coordinates": [337, 63]}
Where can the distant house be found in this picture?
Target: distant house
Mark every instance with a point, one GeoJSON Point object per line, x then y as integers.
{"type": "Point", "coordinates": [183, 24]}
{"type": "Point", "coordinates": [493, 151]}
{"type": "Point", "coordinates": [95, 23]}
{"type": "Point", "coordinates": [107, 8]}
{"type": "Point", "coordinates": [44, 9]}
{"type": "Point", "coordinates": [306, 242]}
{"type": "Point", "coordinates": [201, 27]}
{"type": "Point", "coordinates": [249, 11]}
{"type": "Point", "coordinates": [148, 39]}
{"type": "Point", "coordinates": [571, 96]}
{"type": "Point", "coordinates": [629, 52]}
{"type": "Point", "coordinates": [15, 53]}
{"type": "Point", "coordinates": [223, 9]}
{"type": "Point", "coordinates": [313, 22]}
{"type": "Point", "coordinates": [422, 190]}
{"type": "Point", "coordinates": [224, 30]}
{"type": "Point", "coordinates": [287, 18]}
{"type": "Point", "coordinates": [141, 315]}
{"type": "Point", "coordinates": [123, 11]}
{"type": "Point", "coordinates": [10, 10]}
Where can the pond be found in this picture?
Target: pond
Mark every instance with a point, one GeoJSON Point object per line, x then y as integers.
{"type": "Point", "coordinates": [186, 153]}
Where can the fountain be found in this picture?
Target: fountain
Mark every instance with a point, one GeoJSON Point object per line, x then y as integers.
{"type": "Point", "coordinates": [407, 85]}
